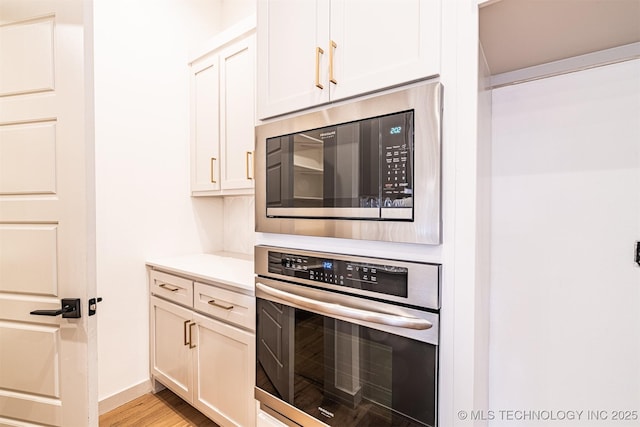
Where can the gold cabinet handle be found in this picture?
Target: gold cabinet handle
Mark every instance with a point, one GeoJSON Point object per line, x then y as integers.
{"type": "Point", "coordinates": [168, 287]}
{"type": "Point", "coordinates": [319, 52]}
{"type": "Point", "coordinates": [186, 340]}
{"type": "Point", "coordinates": [332, 48]}
{"type": "Point", "coordinates": [191, 345]}
{"type": "Point", "coordinates": [213, 177]}
{"type": "Point", "coordinates": [221, 305]}
{"type": "Point", "coordinates": [247, 169]}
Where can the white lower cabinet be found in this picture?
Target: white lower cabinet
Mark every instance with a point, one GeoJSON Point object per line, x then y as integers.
{"type": "Point", "coordinates": [223, 372]}
{"type": "Point", "coordinates": [171, 355]}
{"type": "Point", "coordinates": [207, 362]}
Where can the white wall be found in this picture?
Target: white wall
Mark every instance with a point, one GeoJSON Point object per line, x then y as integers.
{"type": "Point", "coordinates": [142, 158]}
{"type": "Point", "coordinates": [565, 292]}
{"type": "Point", "coordinates": [233, 11]}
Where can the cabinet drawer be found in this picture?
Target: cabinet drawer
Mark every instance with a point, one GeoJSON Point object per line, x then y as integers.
{"type": "Point", "coordinates": [172, 288]}
{"type": "Point", "coordinates": [226, 305]}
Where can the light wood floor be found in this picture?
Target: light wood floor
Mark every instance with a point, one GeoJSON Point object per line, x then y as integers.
{"type": "Point", "coordinates": [163, 409]}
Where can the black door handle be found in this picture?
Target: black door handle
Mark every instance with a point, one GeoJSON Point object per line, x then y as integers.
{"type": "Point", "coordinates": [70, 308]}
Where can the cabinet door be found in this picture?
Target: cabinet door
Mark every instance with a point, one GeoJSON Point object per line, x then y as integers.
{"type": "Point", "coordinates": [383, 43]}
{"type": "Point", "coordinates": [205, 123]}
{"type": "Point", "coordinates": [237, 119]}
{"type": "Point", "coordinates": [170, 354]}
{"type": "Point", "coordinates": [225, 372]}
{"type": "Point", "coordinates": [289, 33]}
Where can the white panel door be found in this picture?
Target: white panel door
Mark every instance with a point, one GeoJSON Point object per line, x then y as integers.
{"type": "Point", "coordinates": [377, 44]}
{"type": "Point", "coordinates": [47, 363]}
{"type": "Point", "coordinates": [237, 118]}
{"type": "Point", "coordinates": [565, 289]}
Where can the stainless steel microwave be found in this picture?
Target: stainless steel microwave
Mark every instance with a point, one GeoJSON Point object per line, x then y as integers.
{"type": "Point", "coordinates": [366, 169]}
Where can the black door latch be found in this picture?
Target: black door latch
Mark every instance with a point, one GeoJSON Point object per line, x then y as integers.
{"type": "Point", "coordinates": [93, 305]}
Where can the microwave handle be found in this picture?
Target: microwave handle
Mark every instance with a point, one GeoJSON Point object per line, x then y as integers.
{"type": "Point", "coordinates": [328, 308]}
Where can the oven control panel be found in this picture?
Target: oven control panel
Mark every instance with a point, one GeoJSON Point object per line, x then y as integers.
{"type": "Point", "coordinates": [379, 278]}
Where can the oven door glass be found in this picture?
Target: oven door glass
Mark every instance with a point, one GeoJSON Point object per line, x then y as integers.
{"type": "Point", "coordinates": [344, 374]}
{"type": "Point", "coordinates": [351, 170]}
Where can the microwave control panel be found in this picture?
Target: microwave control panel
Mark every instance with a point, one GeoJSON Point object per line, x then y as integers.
{"type": "Point", "coordinates": [378, 278]}
{"type": "Point", "coordinates": [396, 136]}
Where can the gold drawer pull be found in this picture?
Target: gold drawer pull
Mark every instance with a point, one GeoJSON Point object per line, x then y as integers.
{"type": "Point", "coordinates": [186, 340]}
{"type": "Point", "coordinates": [213, 175]}
{"type": "Point", "coordinates": [221, 305]}
{"type": "Point", "coordinates": [247, 168]}
{"type": "Point", "coordinates": [319, 52]}
{"type": "Point", "coordinates": [332, 48]}
{"type": "Point", "coordinates": [168, 287]}
{"type": "Point", "coordinates": [191, 344]}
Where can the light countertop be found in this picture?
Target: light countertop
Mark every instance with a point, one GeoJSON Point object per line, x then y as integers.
{"type": "Point", "coordinates": [230, 269]}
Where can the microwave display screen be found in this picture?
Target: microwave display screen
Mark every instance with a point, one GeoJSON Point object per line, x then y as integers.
{"type": "Point", "coordinates": [361, 169]}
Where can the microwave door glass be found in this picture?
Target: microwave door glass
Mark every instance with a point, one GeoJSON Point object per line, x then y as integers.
{"type": "Point", "coordinates": [332, 169]}
{"type": "Point", "coordinates": [308, 170]}
{"type": "Point", "coordinates": [356, 170]}
{"type": "Point", "coordinates": [352, 162]}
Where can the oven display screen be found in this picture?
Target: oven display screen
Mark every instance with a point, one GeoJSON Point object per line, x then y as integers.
{"type": "Point", "coordinates": [327, 265]}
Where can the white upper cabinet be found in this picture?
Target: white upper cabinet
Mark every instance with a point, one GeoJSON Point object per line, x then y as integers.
{"type": "Point", "coordinates": [205, 125]}
{"type": "Point", "coordinates": [223, 113]}
{"type": "Point", "coordinates": [314, 52]}
{"type": "Point", "coordinates": [292, 52]}
{"type": "Point", "coordinates": [383, 43]}
{"type": "Point", "coordinates": [237, 118]}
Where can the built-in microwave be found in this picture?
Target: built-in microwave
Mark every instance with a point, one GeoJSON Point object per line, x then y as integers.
{"type": "Point", "coordinates": [363, 169]}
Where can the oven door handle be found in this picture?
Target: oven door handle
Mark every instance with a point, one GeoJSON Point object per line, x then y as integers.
{"type": "Point", "coordinates": [329, 308]}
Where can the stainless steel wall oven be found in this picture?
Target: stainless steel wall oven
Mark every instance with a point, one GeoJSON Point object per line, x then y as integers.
{"type": "Point", "coordinates": [346, 340]}
{"type": "Point", "coordinates": [366, 169]}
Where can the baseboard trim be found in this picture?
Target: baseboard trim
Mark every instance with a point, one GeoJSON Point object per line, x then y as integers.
{"type": "Point", "coordinates": [112, 402]}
